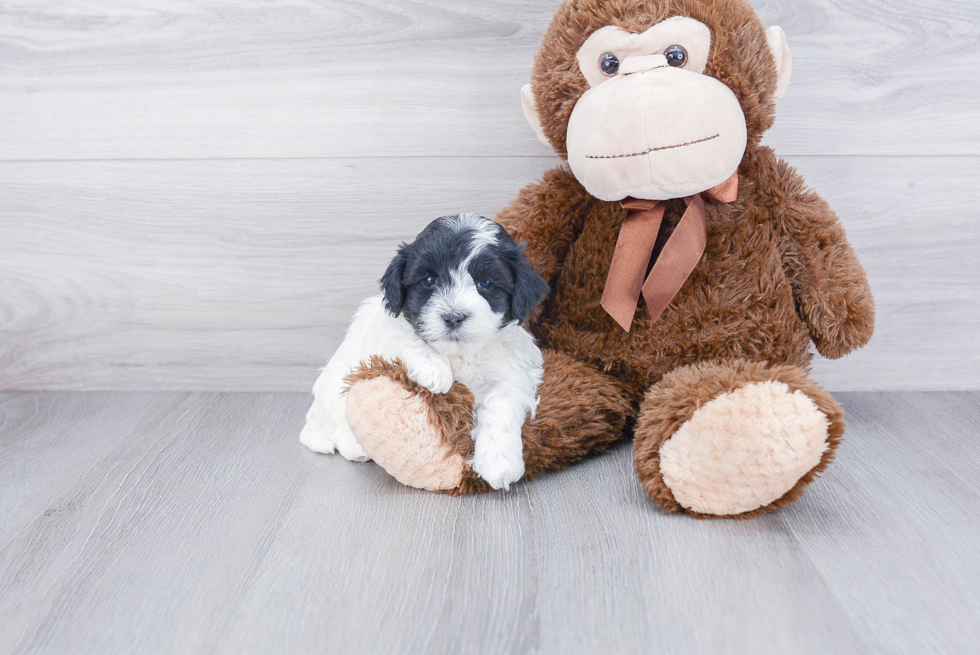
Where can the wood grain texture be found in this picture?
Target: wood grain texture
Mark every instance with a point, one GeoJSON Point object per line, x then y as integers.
{"type": "Point", "coordinates": [243, 275]}
{"type": "Point", "coordinates": [196, 195]}
{"type": "Point", "coordinates": [84, 79]}
{"type": "Point", "coordinates": [918, 236]}
{"type": "Point", "coordinates": [196, 523]}
{"type": "Point", "coordinates": [907, 489]}
{"type": "Point", "coordinates": [44, 444]}
{"type": "Point", "coordinates": [147, 549]}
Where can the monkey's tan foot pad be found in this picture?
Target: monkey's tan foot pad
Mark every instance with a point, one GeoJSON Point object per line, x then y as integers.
{"type": "Point", "coordinates": [417, 437]}
{"type": "Point", "coordinates": [744, 449]}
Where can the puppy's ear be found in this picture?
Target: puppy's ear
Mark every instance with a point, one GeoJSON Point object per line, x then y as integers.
{"type": "Point", "coordinates": [529, 287]}
{"type": "Point", "coordinates": [391, 282]}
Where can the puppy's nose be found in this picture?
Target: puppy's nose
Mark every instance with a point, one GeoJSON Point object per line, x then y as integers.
{"type": "Point", "coordinates": [454, 319]}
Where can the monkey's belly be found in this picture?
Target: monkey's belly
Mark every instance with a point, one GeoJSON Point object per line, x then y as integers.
{"type": "Point", "coordinates": [716, 315]}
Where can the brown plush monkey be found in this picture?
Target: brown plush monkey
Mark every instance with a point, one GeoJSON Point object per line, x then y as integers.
{"type": "Point", "coordinates": [690, 269]}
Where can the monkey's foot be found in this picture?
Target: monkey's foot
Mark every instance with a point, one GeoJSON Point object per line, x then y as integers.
{"type": "Point", "coordinates": [420, 438]}
{"type": "Point", "coordinates": [734, 438]}
{"type": "Point", "coordinates": [424, 439]}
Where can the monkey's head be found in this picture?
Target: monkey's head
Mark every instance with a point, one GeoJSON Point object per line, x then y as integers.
{"type": "Point", "coordinates": [655, 99]}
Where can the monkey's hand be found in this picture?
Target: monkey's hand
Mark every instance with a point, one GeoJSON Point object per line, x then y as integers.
{"type": "Point", "coordinates": [829, 284]}
{"type": "Point", "coordinates": [840, 320]}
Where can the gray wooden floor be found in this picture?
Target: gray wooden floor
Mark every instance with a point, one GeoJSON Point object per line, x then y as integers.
{"type": "Point", "coordinates": [191, 522]}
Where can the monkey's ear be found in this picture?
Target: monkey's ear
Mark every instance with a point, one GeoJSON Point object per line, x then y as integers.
{"type": "Point", "coordinates": [784, 61]}
{"type": "Point", "coordinates": [531, 113]}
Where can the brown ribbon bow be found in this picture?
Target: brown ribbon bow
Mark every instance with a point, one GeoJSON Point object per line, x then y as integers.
{"type": "Point", "coordinates": [681, 253]}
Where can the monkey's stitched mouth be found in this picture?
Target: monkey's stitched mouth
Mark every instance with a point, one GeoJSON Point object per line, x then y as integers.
{"type": "Point", "coordinates": [649, 150]}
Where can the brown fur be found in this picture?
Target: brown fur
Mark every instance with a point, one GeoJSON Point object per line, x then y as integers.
{"type": "Point", "coordinates": [572, 395]}
{"type": "Point", "coordinates": [452, 412]}
{"type": "Point", "coordinates": [739, 55]}
{"type": "Point", "coordinates": [672, 401]}
{"type": "Point", "coordinates": [581, 412]}
{"type": "Point", "coordinates": [777, 272]}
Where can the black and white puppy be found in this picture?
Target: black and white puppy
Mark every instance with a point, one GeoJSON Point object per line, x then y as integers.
{"type": "Point", "coordinates": [451, 307]}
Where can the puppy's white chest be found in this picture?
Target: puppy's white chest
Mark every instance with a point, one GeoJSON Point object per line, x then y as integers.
{"type": "Point", "coordinates": [477, 379]}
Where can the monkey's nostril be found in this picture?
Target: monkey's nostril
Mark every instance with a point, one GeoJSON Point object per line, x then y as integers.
{"type": "Point", "coordinates": [454, 319]}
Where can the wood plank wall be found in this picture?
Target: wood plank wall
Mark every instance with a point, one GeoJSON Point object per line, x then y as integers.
{"type": "Point", "coordinates": [195, 195]}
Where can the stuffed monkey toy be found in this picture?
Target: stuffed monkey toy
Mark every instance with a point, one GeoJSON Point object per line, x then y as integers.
{"type": "Point", "coordinates": [689, 271]}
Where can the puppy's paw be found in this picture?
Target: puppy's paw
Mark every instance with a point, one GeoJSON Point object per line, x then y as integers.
{"type": "Point", "coordinates": [315, 437]}
{"type": "Point", "coordinates": [500, 467]}
{"type": "Point", "coordinates": [430, 370]}
{"type": "Point", "coordinates": [347, 445]}
{"type": "Point", "coordinates": [325, 439]}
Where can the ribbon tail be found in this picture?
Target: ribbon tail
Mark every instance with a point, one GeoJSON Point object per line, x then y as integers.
{"type": "Point", "coordinates": [677, 260]}
{"type": "Point", "coordinates": [637, 237]}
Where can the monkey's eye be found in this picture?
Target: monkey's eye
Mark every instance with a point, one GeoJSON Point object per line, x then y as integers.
{"type": "Point", "coordinates": [676, 56]}
{"type": "Point", "coordinates": [430, 281]}
{"type": "Point", "coordinates": [484, 285]}
{"type": "Point", "coordinates": [609, 64]}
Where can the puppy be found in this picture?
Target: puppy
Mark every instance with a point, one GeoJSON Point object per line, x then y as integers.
{"type": "Point", "coordinates": [450, 308]}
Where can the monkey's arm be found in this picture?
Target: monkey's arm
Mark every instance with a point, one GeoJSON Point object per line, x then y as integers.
{"type": "Point", "coordinates": [548, 217]}
{"type": "Point", "coordinates": [829, 284]}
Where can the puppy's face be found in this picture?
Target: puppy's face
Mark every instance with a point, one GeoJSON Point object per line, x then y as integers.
{"type": "Point", "coordinates": [460, 282]}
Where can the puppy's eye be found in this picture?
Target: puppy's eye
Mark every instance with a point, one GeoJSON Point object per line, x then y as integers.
{"type": "Point", "coordinates": [430, 282]}
{"type": "Point", "coordinates": [676, 56]}
{"type": "Point", "coordinates": [484, 285]}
